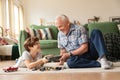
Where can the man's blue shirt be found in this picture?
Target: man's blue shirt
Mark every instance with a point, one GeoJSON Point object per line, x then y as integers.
{"type": "Point", "coordinates": [76, 36]}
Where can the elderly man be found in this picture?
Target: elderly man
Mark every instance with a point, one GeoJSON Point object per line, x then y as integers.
{"type": "Point", "coordinates": [77, 49]}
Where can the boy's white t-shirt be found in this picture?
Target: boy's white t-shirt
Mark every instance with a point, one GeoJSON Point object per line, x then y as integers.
{"type": "Point", "coordinates": [26, 56]}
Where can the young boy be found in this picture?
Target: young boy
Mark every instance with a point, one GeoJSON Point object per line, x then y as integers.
{"type": "Point", "coordinates": [31, 57]}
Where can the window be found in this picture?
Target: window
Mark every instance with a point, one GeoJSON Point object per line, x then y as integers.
{"type": "Point", "coordinates": [0, 13]}
{"type": "Point", "coordinates": [7, 15]}
{"type": "Point", "coordinates": [12, 17]}
{"type": "Point", "coordinates": [16, 20]}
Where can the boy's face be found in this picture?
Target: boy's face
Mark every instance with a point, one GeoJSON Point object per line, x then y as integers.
{"type": "Point", "coordinates": [36, 47]}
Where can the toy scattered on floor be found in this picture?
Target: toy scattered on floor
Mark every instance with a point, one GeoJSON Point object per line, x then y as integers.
{"type": "Point", "coordinates": [54, 58]}
{"type": "Point", "coordinates": [47, 68]}
{"type": "Point", "coordinates": [10, 69]}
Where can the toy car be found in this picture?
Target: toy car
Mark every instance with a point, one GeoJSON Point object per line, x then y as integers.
{"type": "Point", "coordinates": [53, 58]}
{"type": "Point", "coordinates": [47, 68]}
{"type": "Point", "coordinates": [10, 69]}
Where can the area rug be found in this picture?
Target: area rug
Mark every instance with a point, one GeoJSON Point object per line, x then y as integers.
{"type": "Point", "coordinates": [22, 71]}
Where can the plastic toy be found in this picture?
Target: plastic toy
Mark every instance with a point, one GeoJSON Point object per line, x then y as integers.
{"type": "Point", "coordinates": [10, 69]}
{"type": "Point", "coordinates": [47, 68]}
{"type": "Point", "coordinates": [53, 58]}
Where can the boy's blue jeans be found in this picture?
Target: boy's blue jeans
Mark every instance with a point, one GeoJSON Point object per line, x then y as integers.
{"type": "Point", "coordinates": [96, 50]}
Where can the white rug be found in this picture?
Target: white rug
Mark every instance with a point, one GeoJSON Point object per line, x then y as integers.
{"type": "Point", "coordinates": [22, 71]}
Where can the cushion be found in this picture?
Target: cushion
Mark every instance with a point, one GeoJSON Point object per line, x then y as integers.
{"type": "Point", "coordinates": [53, 29]}
{"type": "Point", "coordinates": [45, 34]}
{"type": "Point", "coordinates": [105, 27]}
{"type": "Point", "coordinates": [3, 41]}
{"type": "Point", "coordinates": [42, 34]}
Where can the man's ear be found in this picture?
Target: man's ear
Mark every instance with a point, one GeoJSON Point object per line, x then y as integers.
{"type": "Point", "coordinates": [68, 23]}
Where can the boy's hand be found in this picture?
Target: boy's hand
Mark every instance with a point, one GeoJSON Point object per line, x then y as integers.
{"type": "Point", "coordinates": [44, 60]}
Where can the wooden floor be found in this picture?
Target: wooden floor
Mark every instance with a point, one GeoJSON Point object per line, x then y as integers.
{"type": "Point", "coordinates": [61, 76]}
{"type": "Point", "coordinates": [66, 76]}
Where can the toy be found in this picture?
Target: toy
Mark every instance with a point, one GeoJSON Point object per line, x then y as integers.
{"type": "Point", "coordinates": [47, 68]}
{"type": "Point", "coordinates": [53, 58]}
{"type": "Point", "coordinates": [10, 69]}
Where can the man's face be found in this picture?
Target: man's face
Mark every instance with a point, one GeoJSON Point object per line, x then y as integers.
{"type": "Point", "coordinates": [60, 25]}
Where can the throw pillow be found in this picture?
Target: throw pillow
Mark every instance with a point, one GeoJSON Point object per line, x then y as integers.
{"type": "Point", "coordinates": [45, 33]}
{"type": "Point", "coordinates": [3, 41]}
{"type": "Point", "coordinates": [42, 34]}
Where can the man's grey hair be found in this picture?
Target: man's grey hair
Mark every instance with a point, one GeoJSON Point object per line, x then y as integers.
{"type": "Point", "coordinates": [63, 17]}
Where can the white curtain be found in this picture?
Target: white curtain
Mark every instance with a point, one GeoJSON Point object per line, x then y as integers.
{"type": "Point", "coordinates": [14, 30]}
{"type": "Point", "coordinates": [7, 17]}
{"type": "Point", "coordinates": [0, 13]}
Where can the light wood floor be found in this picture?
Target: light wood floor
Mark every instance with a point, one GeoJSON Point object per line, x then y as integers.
{"type": "Point", "coordinates": [66, 76]}
{"type": "Point", "coordinates": [60, 76]}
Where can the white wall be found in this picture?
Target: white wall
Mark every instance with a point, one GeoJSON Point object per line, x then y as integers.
{"type": "Point", "coordinates": [75, 9]}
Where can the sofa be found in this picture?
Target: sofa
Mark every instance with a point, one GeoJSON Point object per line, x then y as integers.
{"type": "Point", "coordinates": [109, 30]}
{"type": "Point", "coordinates": [111, 35]}
{"type": "Point", "coordinates": [8, 46]}
{"type": "Point", "coordinates": [48, 46]}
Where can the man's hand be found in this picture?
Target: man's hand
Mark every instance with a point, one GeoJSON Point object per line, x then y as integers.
{"type": "Point", "coordinates": [61, 62]}
{"type": "Point", "coordinates": [62, 51]}
{"type": "Point", "coordinates": [64, 57]}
